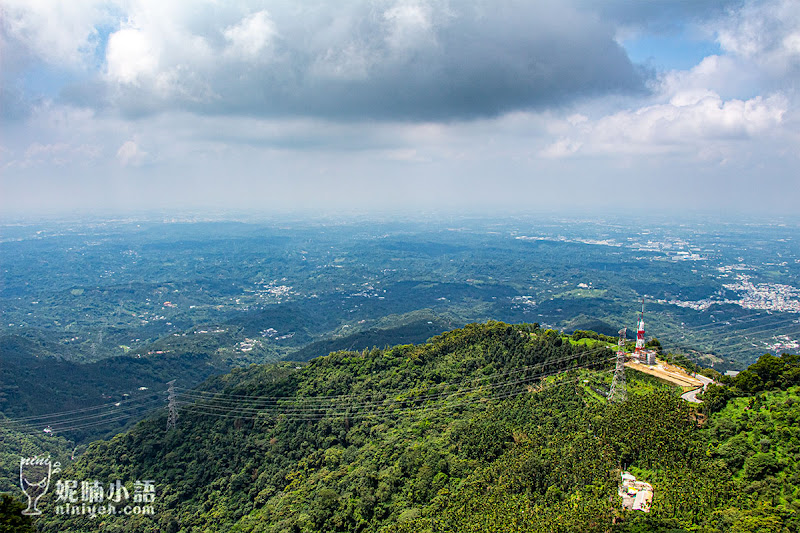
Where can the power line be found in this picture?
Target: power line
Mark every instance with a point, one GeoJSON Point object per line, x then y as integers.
{"type": "Point", "coordinates": [88, 417]}
{"type": "Point", "coordinates": [729, 323]}
{"type": "Point", "coordinates": [108, 413]}
{"type": "Point", "coordinates": [743, 336]}
{"type": "Point", "coordinates": [232, 399]}
{"type": "Point", "coordinates": [580, 353]}
{"type": "Point", "coordinates": [298, 405]}
{"type": "Point", "coordinates": [783, 322]}
{"type": "Point", "coordinates": [35, 418]}
{"type": "Point", "coordinates": [301, 406]}
{"type": "Point", "coordinates": [98, 415]}
{"type": "Point", "coordinates": [67, 429]}
{"type": "Point", "coordinates": [389, 409]}
{"type": "Point", "coordinates": [94, 416]}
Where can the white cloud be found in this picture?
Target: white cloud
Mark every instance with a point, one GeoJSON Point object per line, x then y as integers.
{"type": "Point", "coordinates": [57, 154]}
{"type": "Point", "coordinates": [159, 54]}
{"type": "Point", "coordinates": [410, 26]}
{"type": "Point", "coordinates": [690, 119]}
{"type": "Point", "coordinates": [764, 38]}
{"type": "Point", "coordinates": [131, 56]}
{"type": "Point", "coordinates": [61, 33]}
{"type": "Point", "coordinates": [561, 148]}
{"type": "Point", "coordinates": [744, 94]}
{"type": "Point", "coordinates": [129, 154]}
{"type": "Point", "coordinates": [252, 37]}
{"type": "Point", "coordinates": [720, 74]}
{"type": "Point", "coordinates": [768, 29]}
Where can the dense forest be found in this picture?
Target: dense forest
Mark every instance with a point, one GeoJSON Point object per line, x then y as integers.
{"type": "Point", "coordinates": [491, 427]}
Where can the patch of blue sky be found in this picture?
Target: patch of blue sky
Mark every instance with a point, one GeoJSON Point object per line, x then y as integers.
{"type": "Point", "coordinates": [98, 42]}
{"type": "Point", "coordinates": [42, 80]}
{"type": "Point", "coordinates": [46, 80]}
{"type": "Point", "coordinates": [669, 52]}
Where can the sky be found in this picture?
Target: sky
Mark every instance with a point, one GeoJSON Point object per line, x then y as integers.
{"type": "Point", "coordinates": [483, 106]}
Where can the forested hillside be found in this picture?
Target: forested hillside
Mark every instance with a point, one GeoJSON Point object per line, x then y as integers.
{"type": "Point", "coordinates": [15, 444]}
{"type": "Point", "coordinates": [458, 434]}
{"type": "Point", "coordinates": [32, 387]}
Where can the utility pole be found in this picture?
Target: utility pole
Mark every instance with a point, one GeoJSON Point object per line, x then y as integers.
{"type": "Point", "coordinates": [173, 408]}
{"type": "Point", "coordinates": [619, 391]}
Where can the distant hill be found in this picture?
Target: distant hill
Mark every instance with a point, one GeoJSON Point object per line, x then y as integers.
{"type": "Point", "coordinates": [586, 323]}
{"type": "Point", "coordinates": [36, 381]}
{"type": "Point", "coordinates": [31, 344]}
{"type": "Point", "coordinates": [32, 386]}
{"type": "Point", "coordinates": [415, 332]}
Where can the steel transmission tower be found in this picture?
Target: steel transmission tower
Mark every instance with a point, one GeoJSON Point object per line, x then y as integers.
{"type": "Point", "coordinates": [619, 391]}
{"type": "Point", "coordinates": [173, 408]}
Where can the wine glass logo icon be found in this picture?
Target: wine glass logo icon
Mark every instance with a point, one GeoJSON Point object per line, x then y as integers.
{"type": "Point", "coordinates": [34, 478]}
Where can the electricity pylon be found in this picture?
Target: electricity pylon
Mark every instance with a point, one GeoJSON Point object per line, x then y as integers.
{"type": "Point", "coordinates": [173, 408]}
{"type": "Point", "coordinates": [619, 391]}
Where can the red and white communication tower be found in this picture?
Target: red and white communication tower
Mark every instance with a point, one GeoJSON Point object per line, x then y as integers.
{"type": "Point", "coordinates": [640, 333]}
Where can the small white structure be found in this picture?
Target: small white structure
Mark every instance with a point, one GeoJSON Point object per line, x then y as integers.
{"type": "Point", "coordinates": [636, 495]}
{"type": "Point", "coordinates": [645, 357]}
{"type": "Point", "coordinates": [643, 500]}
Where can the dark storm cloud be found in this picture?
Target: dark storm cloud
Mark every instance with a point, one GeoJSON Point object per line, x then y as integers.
{"type": "Point", "coordinates": [660, 15]}
{"type": "Point", "coordinates": [406, 61]}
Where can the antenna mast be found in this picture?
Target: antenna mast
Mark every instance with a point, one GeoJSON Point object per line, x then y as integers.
{"type": "Point", "coordinates": [640, 333]}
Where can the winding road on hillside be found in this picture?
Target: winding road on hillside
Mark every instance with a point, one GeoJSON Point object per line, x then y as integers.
{"type": "Point", "coordinates": [691, 396]}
